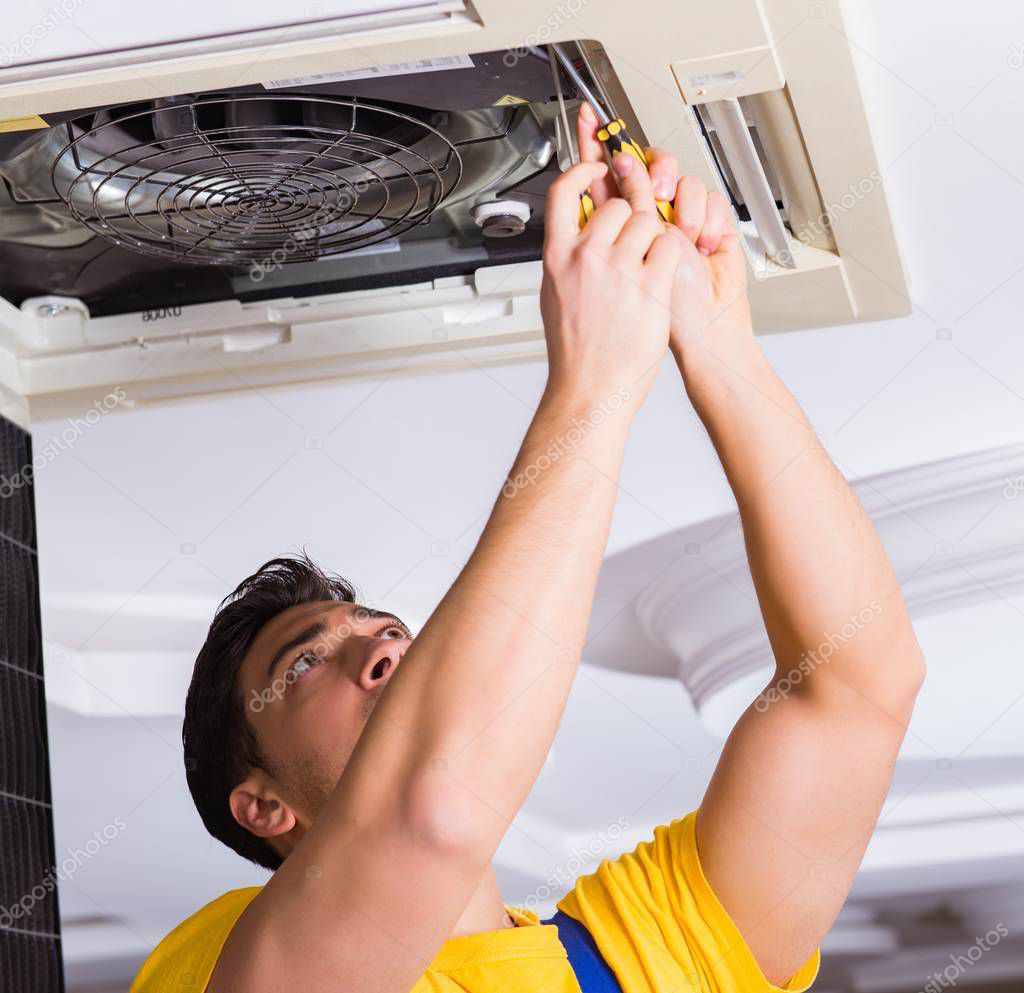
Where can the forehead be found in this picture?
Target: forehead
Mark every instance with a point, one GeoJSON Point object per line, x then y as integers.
{"type": "Point", "coordinates": [289, 624]}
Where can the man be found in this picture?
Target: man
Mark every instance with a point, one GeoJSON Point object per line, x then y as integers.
{"type": "Point", "coordinates": [377, 774]}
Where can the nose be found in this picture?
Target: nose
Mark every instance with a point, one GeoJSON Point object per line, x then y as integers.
{"type": "Point", "coordinates": [381, 659]}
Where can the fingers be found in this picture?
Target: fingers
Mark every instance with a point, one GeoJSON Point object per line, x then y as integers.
{"type": "Point", "coordinates": [690, 207]}
{"type": "Point", "coordinates": [664, 170]}
{"type": "Point", "coordinates": [664, 254]}
{"type": "Point", "coordinates": [591, 150]}
{"type": "Point", "coordinates": [634, 182]}
{"type": "Point", "coordinates": [638, 234]}
{"type": "Point", "coordinates": [705, 218]}
{"type": "Point", "coordinates": [717, 217]}
{"type": "Point", "coordinates": [562, 214]}
{"type": "Point", "coordinates": [728, 265]}
{"type": "Point", "coordinates": [604, 227]}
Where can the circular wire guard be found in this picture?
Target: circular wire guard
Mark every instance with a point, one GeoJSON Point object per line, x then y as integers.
{"type": "Point", "coordinates": [250, 179]}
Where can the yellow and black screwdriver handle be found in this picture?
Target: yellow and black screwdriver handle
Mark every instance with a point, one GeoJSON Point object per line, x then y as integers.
{"type": "Point", "coordinates": [616, 139]}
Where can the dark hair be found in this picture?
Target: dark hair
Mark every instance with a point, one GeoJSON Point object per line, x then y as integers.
{"type": "Point", "coordinates": [221, 747]}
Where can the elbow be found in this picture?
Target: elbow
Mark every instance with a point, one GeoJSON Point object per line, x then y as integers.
{"type": "Point", "coordinates": [441, 815]}
{"type": "Point", "coordinates": [918, 669]}
{"type": "Point", "coordinates": [905, 675]}
{"type": "Point", "coordinates": [889, 679]}
{"type": "Point", "coordinates": [896, 685]}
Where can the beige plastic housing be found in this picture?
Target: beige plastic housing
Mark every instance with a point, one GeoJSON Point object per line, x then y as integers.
{"type": "Point", "coordinates": [654, 59]}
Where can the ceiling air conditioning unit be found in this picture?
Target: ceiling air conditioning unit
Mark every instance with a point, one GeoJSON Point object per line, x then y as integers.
{"type": "Point", "coordinates": [278, 201]}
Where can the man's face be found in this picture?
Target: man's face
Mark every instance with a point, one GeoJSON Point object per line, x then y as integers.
{"type": "Point", "coordinates": [309, 683]}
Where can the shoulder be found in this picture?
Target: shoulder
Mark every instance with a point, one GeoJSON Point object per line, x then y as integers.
{"type": "Point", "coordinates": [187, 956]}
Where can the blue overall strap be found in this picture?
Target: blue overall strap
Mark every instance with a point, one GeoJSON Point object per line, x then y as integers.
{"type": "Point", "coordinates": [592, 972]}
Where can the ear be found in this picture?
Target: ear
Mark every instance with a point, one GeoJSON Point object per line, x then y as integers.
{"type": "Point", "coordinates": [260, 809]}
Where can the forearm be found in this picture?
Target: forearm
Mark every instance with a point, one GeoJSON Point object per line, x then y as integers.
{"type": "Point", "coordinates": [454, 745]}
{"type": "Point", "coordinates": [830, 599]}
{"type": "Point", "coordinates": [800, 784]}
{"type": "Point", "coordinates": [798, 787]}
{"type": "Point", "coordinates": [460, 732]}
{"type": "Point", "coordinates": [472, 711]}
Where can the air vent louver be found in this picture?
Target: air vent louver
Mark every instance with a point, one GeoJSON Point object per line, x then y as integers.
{"type": "Point", "coordinates": [30, 958]}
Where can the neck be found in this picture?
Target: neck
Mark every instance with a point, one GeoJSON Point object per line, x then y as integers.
{"type": "Point", "coordinates": [485, 910]}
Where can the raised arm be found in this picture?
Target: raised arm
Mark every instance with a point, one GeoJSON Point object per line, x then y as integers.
{"type": "Point", "coordinates": [801, 782]}
{"type": "Point", "coordinates": [460, 734]}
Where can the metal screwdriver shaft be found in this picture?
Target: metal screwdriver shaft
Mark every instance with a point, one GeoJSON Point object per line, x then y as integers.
{"type": "Point", "coordinates": [612, 134]}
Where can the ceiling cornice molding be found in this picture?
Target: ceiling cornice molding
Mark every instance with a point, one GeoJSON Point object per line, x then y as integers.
{"type": "Point", "coordinates": [704, 610]}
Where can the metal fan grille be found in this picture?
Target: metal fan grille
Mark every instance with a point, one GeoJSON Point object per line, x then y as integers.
{"type": "Point", "coordinates": [243, 179]}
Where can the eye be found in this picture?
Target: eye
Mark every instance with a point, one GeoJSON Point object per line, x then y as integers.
{"type": "Point", "coordinates": [394, 631]}
{"type": "Point", "coordinates": [302, 665]}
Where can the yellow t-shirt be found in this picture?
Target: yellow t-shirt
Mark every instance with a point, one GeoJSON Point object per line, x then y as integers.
{"type": "Point", "coordinates": [651, 912]}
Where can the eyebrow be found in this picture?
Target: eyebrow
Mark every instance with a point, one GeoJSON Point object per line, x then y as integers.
{"type": "Point", "coordinates": [320, 627]}
{"type": "Point", "coordinates": [313, 631]}
{"type": "Point", "coordinates": [381, 615]}
{"type": "Point", "coordinates": [386, 615]}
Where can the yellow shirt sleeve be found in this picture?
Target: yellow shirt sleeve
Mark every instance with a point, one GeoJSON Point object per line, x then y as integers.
{"type": "Point", "coordinates": [184, 961]}
{"type": "Point", "coordinates": [660, 926]}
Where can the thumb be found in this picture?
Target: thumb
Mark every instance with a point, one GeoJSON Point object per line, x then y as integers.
{"type": "Point", "coordinates": [728, 263]}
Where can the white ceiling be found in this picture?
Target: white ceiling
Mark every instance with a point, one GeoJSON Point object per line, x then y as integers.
{"type": "Point", "coordinates": [156, 514]}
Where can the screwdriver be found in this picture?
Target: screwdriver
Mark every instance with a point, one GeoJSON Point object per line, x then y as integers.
{"type": "Point", "coordinates": [612, 134]}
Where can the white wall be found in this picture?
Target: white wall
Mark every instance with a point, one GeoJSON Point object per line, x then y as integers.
{"type": "Point", "coordinates": [408, 467]}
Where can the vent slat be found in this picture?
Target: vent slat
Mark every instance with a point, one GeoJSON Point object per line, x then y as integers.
{"type": "Point", "coordinates": [30, 956]}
